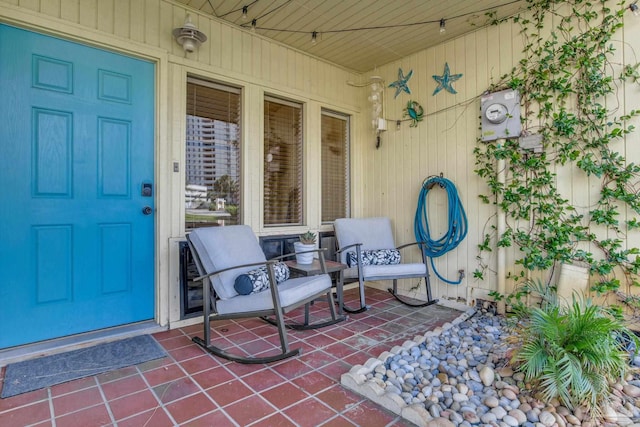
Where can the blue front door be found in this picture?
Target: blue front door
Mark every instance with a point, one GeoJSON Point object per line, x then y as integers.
{"type": "Point", "coordinates": [76, 188]}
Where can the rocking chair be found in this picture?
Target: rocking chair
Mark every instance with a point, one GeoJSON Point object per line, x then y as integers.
{"type": "Point", "coordinates": [216, 252]}
{"type": "Point", "coordinates": [367, 246]}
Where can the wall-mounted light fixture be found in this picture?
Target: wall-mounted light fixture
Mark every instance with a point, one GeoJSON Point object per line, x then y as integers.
{"type": "Point", "coordinates": [188, 36]}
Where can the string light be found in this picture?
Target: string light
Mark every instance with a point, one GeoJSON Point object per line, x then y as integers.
{"type": "Point", "coordinates": [633, 7]}
{"type": "Point", "coordinates": [245, 9]}
{"type": "Point", "coordinates": [314, 37]}
{"type": "Point", "coordinates": [442, 21]}
{"type": "Point", "coordinates": [254, 22]}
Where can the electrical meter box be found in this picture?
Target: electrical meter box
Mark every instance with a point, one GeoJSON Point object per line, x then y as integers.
{"type": "Point", "coordinates": [500, 115]}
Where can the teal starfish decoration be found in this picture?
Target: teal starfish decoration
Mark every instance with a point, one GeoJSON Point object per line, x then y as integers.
{"type": "Point", "coordinates": [401, 83]}
{"type": "Point", "coordinates": [445, 80]}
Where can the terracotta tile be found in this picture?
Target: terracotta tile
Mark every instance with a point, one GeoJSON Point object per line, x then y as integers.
{"type": "Point", "coordinates": [177, 389]}
{"type": "Point", "coordinates": [369, 414]}
{"type": "Point", "coordinates": [155, 364]}
{"type": "Point", "coordinates": [132, 404]}
{"type": "Point", "coordinates": [320, 341]}
{"type": "Point", "coordinates": [263, 380]}
{"type": "Point", "coordinates": [25, 415]}
{"type": "Point", "coordinates": [94, 416]}
{"type": "Point", "coordinates": [212, 377]}
{"type": "Point", "coordinates": [242, 369]}
{"type": "Point", "coordinates": [339, 398]}
{"type": "Point", "coordinates": [340, 350]}
{"type": "Point", "coordinates": [275, 420]}
{"type": "Point", "coordinates": [284, 395]}
{"type": "Point", "coordinates": [163, 374]}
{"type": "Point", "coordinates": [338, 333]}
{"type": "Point", "coordinates": [259, 346]}
{"type": "Point", "coordinates": [357, 358]}
{"type": "Point", "coordinates": [187, 352]}
{"type": "Point", "coordinates": [335, 370]}
{"type": "Point", "coordinates": [310, 413]}
{"type": "Point", "coordinates": [340, 421]}
{"type": "Point", "coordinates": [176, 342]}
{"type": "Point", "coordinates": [317, 358]}
{"type": "Point", "coordinates": [292, 368]}
{"type": "Point", "coordinates": [153, 418]}
{"type": "Point", "coordinates": [75, 401]}
{"type": "Point", "coordinates": [23, 399]}
{"type": "Point", "coordinates": [122, 387]}
{"type": "Point", "coordinates": [229, 392]}
{"type": "Point", "coordinates": [313, 382]}
{"type": "Point", "coordinates": [215, 418]}
{"type": "Point", "coordinates": [201, 363]}
{"type": "Point", "coordinates": [117, 374]}
{"type": "Point", "coordinates": [191, 407]}
{"type": "Point", "coordinates": [161, 336]}
{"type": "Point", "coordinates": [72, 386]}
{"type": "Point", "coordinates": [259, 409]}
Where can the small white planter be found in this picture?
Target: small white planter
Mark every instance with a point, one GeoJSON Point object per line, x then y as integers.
{"type": "Point", "coordinates": [302, 247]}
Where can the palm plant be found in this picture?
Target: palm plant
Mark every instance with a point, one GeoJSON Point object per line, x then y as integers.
{"type": "Point", "coordinates": [573, 352]}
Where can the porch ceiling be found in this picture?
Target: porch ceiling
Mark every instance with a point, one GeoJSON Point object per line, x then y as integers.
{"type": "Point", "coordinates": [403, 27]}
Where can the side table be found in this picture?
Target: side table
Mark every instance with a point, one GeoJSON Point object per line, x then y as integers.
{"type": "Point", "coordinates": [315, 268]}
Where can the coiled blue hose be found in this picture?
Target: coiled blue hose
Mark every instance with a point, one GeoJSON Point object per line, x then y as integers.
{"type": "Point", "coordinates": [456, 231]}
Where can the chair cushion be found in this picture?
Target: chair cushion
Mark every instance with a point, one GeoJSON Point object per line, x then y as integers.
{"type": "Point", "coordinates": [374, 257]}
{"type": "Point", "coordinates": [224, 247]}
{"type": "Point", "coordinates": [258, 280]}
{"type": "Point", "coordinates": [291, 292]}
{"type": "Point", "coordinates": [381, 272]}
{"type": "Point", "coordinates": [373, 233]}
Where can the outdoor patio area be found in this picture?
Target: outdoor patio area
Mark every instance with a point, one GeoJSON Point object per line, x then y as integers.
{"type": "Point", "coordinates": [194, 388]}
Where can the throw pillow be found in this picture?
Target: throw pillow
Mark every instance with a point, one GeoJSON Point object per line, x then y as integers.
{"type": "Point", "coordinates": [258, 280]}
{"type": "Point", "coordinates": [374, 257]}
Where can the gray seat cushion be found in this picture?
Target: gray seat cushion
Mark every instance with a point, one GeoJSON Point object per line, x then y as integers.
{"type": "Point", "coordinates": [390, 271]}
{"type": "Point", "coordinates": [240, 247]}
{"type": "Point", "coordinates": [291, 292]}
{"type": "Point", "coordinates": [373, 233]}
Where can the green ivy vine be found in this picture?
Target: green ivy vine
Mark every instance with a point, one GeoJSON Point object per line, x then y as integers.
{"type": "Point", "coordinates": [568, 84]}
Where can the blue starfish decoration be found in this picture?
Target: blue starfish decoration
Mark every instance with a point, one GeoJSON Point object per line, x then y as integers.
{"type": "Point", "coordinates": [445, 80]}
{"type": "Point", "coordinates": [401, 83]}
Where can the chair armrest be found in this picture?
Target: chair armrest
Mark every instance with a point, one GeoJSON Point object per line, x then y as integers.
{"type": "Point", "coordinates": [409, 244]}
{"type": "Point", "coordinates": [213, 273]}
{"type": "Point", "coordinates": [347, 247]}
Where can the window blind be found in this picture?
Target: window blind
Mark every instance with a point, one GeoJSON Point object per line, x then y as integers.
{"type": "Point", "coordinates": [283, 175]}
{"type": "Point", "coordinates": [212, 193]}
{"type": "Point", "coordinates": [335, 166]}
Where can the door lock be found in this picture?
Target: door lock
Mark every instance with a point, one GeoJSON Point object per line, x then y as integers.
{"type": "Point", "coordinates": [147, 189]}
{"type": "Point", "coordinates": [147, 210]}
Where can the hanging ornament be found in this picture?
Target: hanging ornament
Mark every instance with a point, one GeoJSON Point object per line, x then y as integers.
{"type": "Point", "coordinates": [401, 83]}
{"type": "Point", "coordinates": [415, 112]}
{"type": "Point", "coordinates": [445, 80]}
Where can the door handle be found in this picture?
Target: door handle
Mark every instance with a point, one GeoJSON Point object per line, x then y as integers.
{"type": "Point", "coordinates": [147, 210]}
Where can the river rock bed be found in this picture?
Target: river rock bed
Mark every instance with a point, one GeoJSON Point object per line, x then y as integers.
{"type": "Point", "coordinates": [458, 376]}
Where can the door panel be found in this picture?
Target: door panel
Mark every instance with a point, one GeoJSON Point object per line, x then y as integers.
{"type": "Point", "coordinates": [76, 145]}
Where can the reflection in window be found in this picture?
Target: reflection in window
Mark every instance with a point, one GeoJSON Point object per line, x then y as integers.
{"type": "Point", "coordinates": [282, 162]}
{"type": "Point", "coordinates": [212, 193]}
{"type": "Point", "coordinates": [335, 166]}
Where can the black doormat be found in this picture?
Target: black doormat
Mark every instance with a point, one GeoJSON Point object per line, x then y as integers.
{"type": "Point", "coordinates": [42, 372]}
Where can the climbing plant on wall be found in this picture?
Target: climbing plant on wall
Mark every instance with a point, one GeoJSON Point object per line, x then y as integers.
{"type": "Point", "coordinates": [570, 87]}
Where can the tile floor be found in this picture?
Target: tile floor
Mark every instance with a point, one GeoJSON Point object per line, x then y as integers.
{"type": "Point", "coordinates": [193, 388]}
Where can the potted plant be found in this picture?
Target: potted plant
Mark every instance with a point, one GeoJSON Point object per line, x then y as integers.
{"type": "Point", "coordinates": [307, 243]}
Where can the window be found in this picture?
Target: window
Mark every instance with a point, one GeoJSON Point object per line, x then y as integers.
{"type": "Point", "coordinates": [335, 166]}
{"type": "Point", "coordinates": [212, 193]}
{"type": "Point", "coordinates": [283, 193]}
